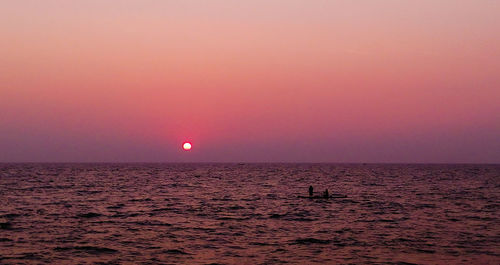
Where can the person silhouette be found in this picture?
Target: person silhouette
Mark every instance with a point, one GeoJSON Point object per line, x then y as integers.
{"type": "Point", "coordinates": [326, 194]}
{"type": "Point", "coordinates": [311, 191]}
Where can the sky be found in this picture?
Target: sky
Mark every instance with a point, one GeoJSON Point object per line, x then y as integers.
{"type": "Point", "coordinates": [250, 81]}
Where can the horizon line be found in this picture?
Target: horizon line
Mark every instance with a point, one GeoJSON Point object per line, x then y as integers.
{"type": "Point", "coordinates": [256, 162]}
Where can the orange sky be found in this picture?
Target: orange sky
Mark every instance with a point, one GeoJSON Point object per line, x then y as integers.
{"type": "Point", "coordinates": [289, 80]}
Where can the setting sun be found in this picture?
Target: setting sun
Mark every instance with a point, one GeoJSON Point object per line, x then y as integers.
{"type": "Point", "coordinates": [186, 146]}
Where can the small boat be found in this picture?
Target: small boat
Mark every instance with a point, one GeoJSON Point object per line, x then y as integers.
{"type": "Point", "coordinates": [333, 196]}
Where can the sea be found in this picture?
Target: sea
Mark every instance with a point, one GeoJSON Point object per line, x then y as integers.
{"type": "Point", "coordinates": [249, 214]}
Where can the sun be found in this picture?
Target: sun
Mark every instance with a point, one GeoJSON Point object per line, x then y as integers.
{"type": "Point", "coordinates": [186, 146]}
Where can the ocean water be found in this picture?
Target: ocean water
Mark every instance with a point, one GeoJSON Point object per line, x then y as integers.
{"type": "Point", "coordinates": [249, 214]}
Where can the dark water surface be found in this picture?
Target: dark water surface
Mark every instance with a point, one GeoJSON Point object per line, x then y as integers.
{"type": "Point", "coordinates": [248, 214]}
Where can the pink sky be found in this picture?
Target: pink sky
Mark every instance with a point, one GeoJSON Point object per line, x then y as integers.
{"type": "Point", "coordinates": [270, 80]}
